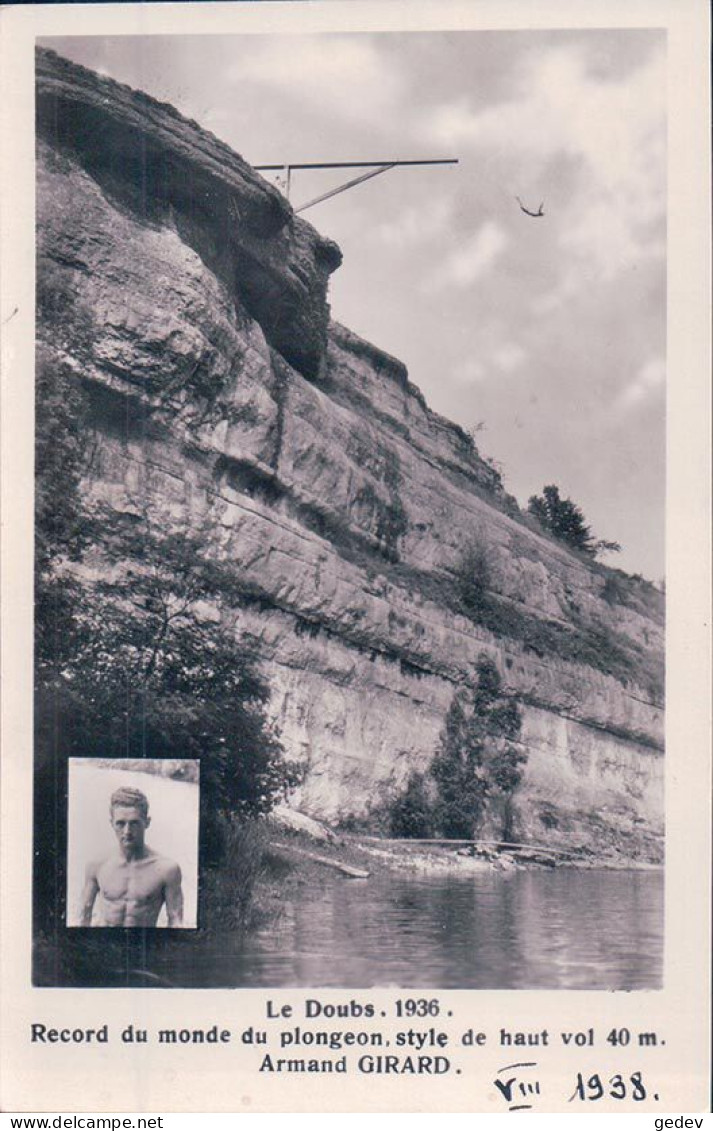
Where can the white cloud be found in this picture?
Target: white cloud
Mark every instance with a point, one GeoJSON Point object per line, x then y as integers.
{"type": "Point", "coordinates": [344, 76]}
{"type": "Point", "coordinates": [417, 224]}
{"type": "Point", "coordinates": [554, 300]}
{"type": "Point", "coordinates": [468, 372]}
{"type": "Point", "coordinates": [647, 383]}
{"type": "Point", "coordinates": [452, 123]}
{"type": "Point", "coordinates": [494, 361]}
{"type": "Point", "coordinates": [475, 258]}
{"type": "Point", "coordinates": [509, 357]}
{"type": "Point", "coordinates": [611, 133]}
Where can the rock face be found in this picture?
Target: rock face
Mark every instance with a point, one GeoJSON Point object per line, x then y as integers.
{"type": "Point", "coordinates": [190, 302]}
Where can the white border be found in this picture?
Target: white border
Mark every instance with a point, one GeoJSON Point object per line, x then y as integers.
{"type": "Point", "coordinates": [117, 1079]}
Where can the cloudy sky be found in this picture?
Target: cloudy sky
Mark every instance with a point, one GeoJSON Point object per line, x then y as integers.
{"type": "Point", "coordinates": [549, 332]}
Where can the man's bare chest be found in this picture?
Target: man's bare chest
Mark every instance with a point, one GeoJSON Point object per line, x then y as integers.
{"type": "Point", "coordinates": [130, 881]}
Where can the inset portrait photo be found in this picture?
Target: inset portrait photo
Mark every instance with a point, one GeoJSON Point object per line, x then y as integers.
{"type": "Point", "coordinates": [132, 845]}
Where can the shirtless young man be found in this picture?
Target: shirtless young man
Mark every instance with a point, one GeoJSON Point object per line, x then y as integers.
{"type": "Point", "coordinates": [135, 882]}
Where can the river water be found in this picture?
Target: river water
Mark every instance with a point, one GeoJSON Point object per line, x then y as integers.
{"type": "Point", "coordinates": [562, 929]}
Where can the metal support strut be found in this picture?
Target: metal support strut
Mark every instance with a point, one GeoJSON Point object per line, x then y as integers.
{"type": "Point", "coordinates": [375, 167]}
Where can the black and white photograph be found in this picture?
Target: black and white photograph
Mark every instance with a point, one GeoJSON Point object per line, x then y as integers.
{"type": "Point", "coordinates": [350, 487]}
{"type": "Point", "coordinates": [132, 844]}
{"type": "Point", "coordinates": [355, 477]}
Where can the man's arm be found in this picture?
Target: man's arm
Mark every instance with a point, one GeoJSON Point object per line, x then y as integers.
{"type": "Point", "coordinates": [173, 894]}
{"type": "Point", "coordinates": [89, 894]}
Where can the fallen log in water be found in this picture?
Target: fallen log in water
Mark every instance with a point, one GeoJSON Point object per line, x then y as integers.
{"type": "Point", "coordinates": [329, 862]}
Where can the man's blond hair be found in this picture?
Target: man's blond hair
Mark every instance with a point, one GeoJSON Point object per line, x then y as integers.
{"type": "Point", "coordinates": [129, 798]}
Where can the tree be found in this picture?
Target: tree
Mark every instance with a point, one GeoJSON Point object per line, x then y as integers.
{"type": "Point", "coordinates": [154, 674]}
{"type": "Point", "coordinates": [411, 812]}
{"type": "Point", "coordinates": [565, 521]}
{"type": "Point", "coordinates": [136, 656]}
{"type": "Point", "coordinates": [476, 759]}
{"type": "Point", "coordinates": [63, 527]}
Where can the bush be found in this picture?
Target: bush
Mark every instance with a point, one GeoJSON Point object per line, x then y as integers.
{"type": "Point", "coordinates": [613, 591]}
{"type": "Point", "coordinates": [473, 575]}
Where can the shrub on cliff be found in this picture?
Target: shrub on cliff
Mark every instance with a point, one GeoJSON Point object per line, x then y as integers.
{"type": "Point", "coordinates": [473, 574]}
{"type": "Point", "coordinates": [565, 521]}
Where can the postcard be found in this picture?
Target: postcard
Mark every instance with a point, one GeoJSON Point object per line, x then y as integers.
{"type": "Point", "coordinates": [356, 557]}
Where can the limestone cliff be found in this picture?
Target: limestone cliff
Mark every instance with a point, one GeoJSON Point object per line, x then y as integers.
{"type": "Point", "coordinates": [189, 300]}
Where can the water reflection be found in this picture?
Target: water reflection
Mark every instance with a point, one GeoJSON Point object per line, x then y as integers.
{"type": "Point", "coordinates": [528, 930]}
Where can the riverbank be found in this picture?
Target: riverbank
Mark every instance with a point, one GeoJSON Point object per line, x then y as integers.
{"type": "Point", "coordinates": [427, 915]}
{"type": "Point", "coordinates": [303, 904]}
{"type": "Point", "coordinates": [302, 853]}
